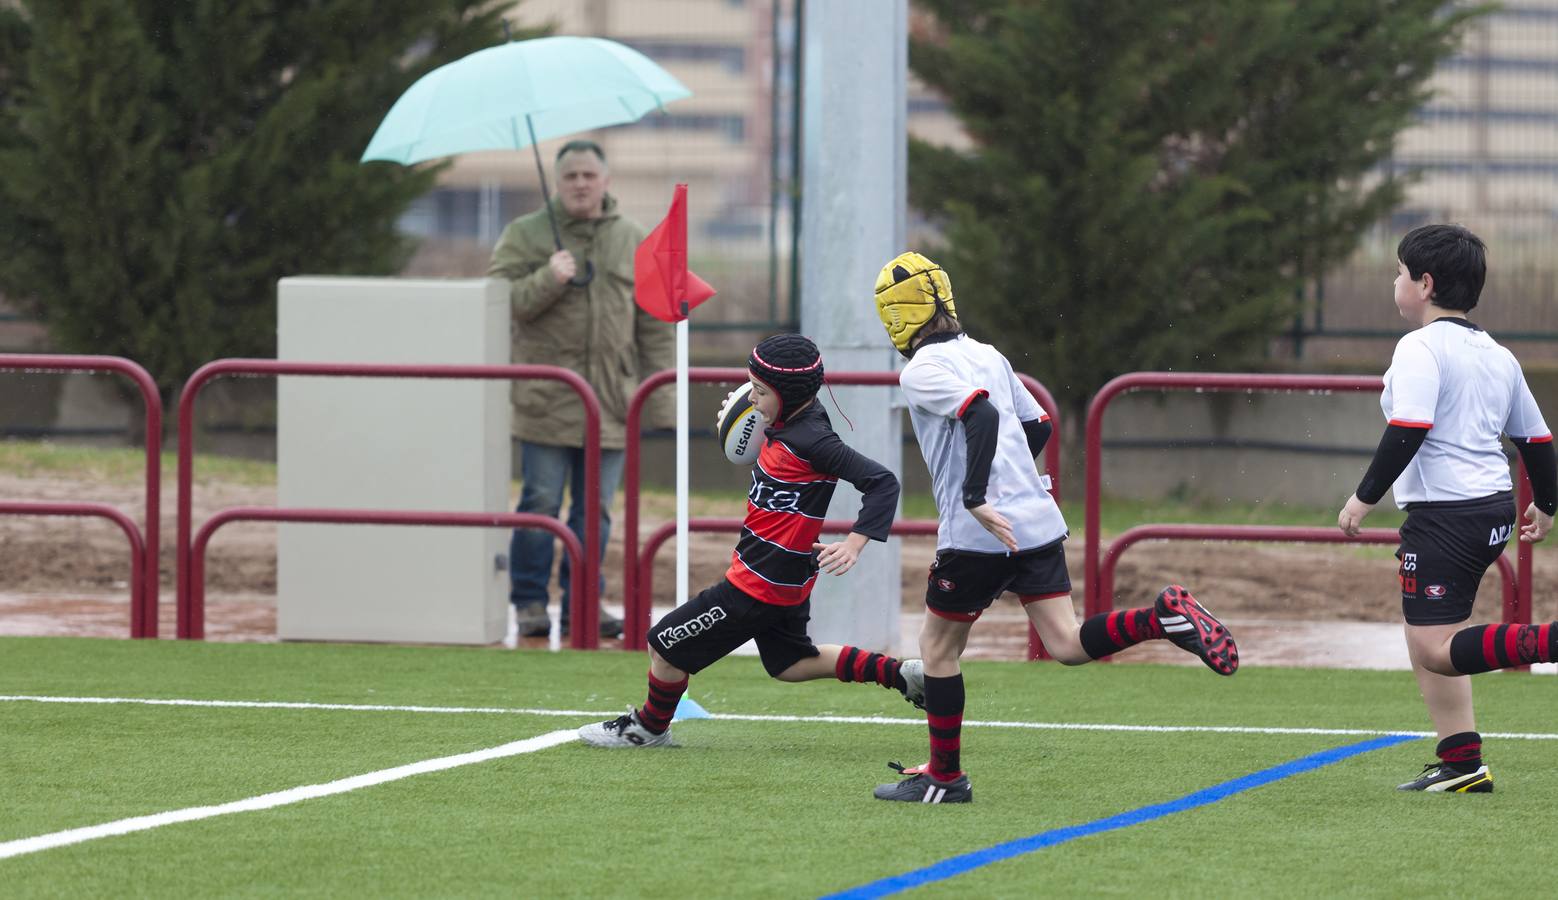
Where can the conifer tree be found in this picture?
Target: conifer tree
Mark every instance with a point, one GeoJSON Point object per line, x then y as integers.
{"type": "Point", "coordinates": [1150, 182]}
{"type": "Point", "coordinates": [162, 164]}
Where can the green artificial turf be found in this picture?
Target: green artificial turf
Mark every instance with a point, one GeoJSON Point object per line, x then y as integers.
{"type": "Point", "coordinates": [741, 808]}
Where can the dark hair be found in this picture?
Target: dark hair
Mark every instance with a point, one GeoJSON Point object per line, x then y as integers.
{"type": "Point", "coordinates": [1454, 256]}
{"type": "Point", "coordinates": [580, 146]}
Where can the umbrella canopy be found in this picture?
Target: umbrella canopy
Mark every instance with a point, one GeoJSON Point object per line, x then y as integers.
{"type": "Point", "coordinates": [509, 96]}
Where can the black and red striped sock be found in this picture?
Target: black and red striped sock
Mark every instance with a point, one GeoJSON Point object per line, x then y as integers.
{"type": "Point", "coordinates": [855, 664]}
{"type": "Point", "coordinates": [944, 715]}
{"type": "Point", "coordinates": [660, 708]}
{"type": "Point", "coordinates": [1483, 648]}
{"type": "Point", "coordinates": [1112, 632]}
{"type": "Point", "coordinates": [1461, 752]}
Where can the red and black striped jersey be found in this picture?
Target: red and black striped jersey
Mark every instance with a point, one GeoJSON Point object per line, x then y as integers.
{"type": "Point", "coordinates": [792, 484]}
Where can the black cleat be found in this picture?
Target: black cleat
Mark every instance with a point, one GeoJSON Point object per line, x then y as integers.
{"type": "Point", "coordinates": [921, 788]}
{"type": "Point", "coordinates": [1440, 777]}
{"type": "Point", "coordinates": [1194, 630]}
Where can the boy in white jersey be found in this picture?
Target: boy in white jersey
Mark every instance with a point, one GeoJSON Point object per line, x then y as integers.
{"type": "Point", "coordinates": [1000, 529]}
{"type": "Point", "coordinates": [1449, 393]}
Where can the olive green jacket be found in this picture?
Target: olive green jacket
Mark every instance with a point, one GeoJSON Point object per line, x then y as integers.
{"type": "Point", "coordinates": [596, 330]}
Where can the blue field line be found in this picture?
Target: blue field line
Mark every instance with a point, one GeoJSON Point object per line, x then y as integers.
{"type": "Point", "coordinates": [967, 862]}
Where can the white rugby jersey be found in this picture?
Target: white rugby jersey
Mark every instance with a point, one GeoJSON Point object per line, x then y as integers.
{"type": "Point", "coordinates": [1452, 378]}
{"type": "Point", "coordinates": [939, 382]}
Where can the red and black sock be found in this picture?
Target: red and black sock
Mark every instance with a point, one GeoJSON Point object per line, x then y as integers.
{"type": "Point", "coordinates": [1112, 632]}
{"type": "Point", "coordinates": [944, 714]}
{"type": "Point", "coordinates": [855, 664]}
{"type": "Point", "coordinates": [1483, 648]}
{"type": "Point", "coordinates": [1461, 752]}
{"type": "Point", "coordinates": [660, 708]}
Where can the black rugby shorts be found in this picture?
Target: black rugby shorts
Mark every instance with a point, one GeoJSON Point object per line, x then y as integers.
{"type": "Point", "coordinates": [963, 584]}
{"type": "Point", "coordinates": [710, 626]}
{"type": "Point", "coordinates": [1445, 549]}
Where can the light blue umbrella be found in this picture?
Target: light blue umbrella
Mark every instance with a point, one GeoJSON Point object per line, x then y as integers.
{"type": "Point", "coordinates": [515, 94]}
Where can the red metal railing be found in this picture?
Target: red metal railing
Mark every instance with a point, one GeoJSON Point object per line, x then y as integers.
{"type": "Point", "coordinates": [1100, 584]}
{"type": "Point", "coordinates": [191, 618]}
{"type": "Point", "coordinates": [138, 608]}
{"type": "Point", "coordinates": [1272, 533]}
{"type": "Point", "coordinates": [636, 601]}
{"type": "Point", "coordinates": [143, 611]}
{"type": "Point", "coordinates": [571, 544]}
{"type": "Point", "coordinates": [1523, 585]}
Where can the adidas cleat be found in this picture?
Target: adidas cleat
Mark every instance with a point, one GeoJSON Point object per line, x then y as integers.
{"type": "Point", "coordinates": [1441, 778]}
{"type": "Point", "coordinates": [1194, 630]}
{"type": "Point", "coordinates": [922, 788]}
{"type": "Point", "coordinates": [624, 731]}
{"type": "Point", "coordinates": [913, 672]}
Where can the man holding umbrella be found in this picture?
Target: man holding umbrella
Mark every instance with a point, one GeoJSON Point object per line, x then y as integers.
{"type": "Point", "coordinates": [570, 264]}
{"type": "Point", "coordinates": [570, 269]}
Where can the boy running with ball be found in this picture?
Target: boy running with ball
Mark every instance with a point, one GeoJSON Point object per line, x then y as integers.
{"type": "Point", "coordinates": [766, 593]}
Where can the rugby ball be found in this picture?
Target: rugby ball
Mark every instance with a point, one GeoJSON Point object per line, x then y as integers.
{"type": "Point", "coordinates": [739, 427]}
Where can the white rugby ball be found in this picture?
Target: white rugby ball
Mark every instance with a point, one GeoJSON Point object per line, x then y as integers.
{"type": "Point", "coordinates": [739, 427]}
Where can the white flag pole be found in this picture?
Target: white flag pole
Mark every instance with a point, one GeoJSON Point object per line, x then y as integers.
{"type": "Point", "coordinates": [681, 459]}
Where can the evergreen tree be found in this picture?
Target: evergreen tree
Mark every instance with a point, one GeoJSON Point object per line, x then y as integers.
{"type": "Point", "coordinates": [1151, 182]}
{"type": "Point", "coordinates": [162, 164]}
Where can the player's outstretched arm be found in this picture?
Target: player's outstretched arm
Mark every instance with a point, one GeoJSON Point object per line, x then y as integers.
{"type": "Point", "coordinates": [840, 556]}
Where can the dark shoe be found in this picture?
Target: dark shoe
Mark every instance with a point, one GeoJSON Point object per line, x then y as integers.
{"type": "Point", "coordinates": [610, 626]}
{"type": "Point", "coordinates": [1194, 630]}
{"type": "Point", "coordinates": [531, 620]}
{"type": "Point", "coordinates": [1441, 778]}
{"type": "Point", "coordinates": [924, 789]}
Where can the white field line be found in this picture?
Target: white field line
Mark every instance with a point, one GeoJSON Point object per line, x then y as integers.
{"type": "Point", "coordinates": [279, 798]}
{"type": "Point", "coordinates": [733, 717]}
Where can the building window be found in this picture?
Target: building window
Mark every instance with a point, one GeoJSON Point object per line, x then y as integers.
{"type": "Point", "coordinates": [734, 128]}
{"type": "Point", "coordinates": [732, 57]}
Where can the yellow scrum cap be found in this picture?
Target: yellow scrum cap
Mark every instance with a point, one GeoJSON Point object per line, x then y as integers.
{"type": "Point", "coordinates": [909, 290]}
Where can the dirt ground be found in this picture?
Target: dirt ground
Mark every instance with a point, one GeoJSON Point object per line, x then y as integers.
{"type": "Point", "coordinates": [1287, 604]}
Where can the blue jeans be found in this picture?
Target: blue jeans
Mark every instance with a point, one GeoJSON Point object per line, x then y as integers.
{"type": "Point", "coordinates": [545, 470]}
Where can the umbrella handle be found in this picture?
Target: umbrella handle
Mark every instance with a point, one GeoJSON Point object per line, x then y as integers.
{"type": "Point", "coordinates": [546, 202]}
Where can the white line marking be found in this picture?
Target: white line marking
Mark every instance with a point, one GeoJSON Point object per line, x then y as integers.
{"type": "Point", "coordinates": [734, 717]}
{"type": "Point", "coordinates": [279, 798]}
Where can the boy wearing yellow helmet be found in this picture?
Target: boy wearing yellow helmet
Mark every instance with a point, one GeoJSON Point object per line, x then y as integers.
{"type": "Point", "coordinates": [1000, 529]}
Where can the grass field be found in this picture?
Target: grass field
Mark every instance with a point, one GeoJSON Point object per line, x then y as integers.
{"type": "Point", "coordinates": [743, 807]}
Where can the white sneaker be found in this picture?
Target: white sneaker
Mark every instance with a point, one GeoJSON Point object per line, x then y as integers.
{"type": "Point", "coordinates": [624, 731]}
{"type": "Point", "coordinates": [913, 672]}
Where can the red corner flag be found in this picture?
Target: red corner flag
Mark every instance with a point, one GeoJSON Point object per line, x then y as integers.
{"type": "Point", "coordinates": [662, 285]}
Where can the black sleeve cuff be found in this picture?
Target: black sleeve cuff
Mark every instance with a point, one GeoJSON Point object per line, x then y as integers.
{"type": "Point", "coordinates": [1542, 468]}
{"type": "Point", "coordinates": [981, 425]}
{"type": "Point", "coordinates": [1038, 433]}
{"type": "Point", "coordinates": [1396, 448]}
